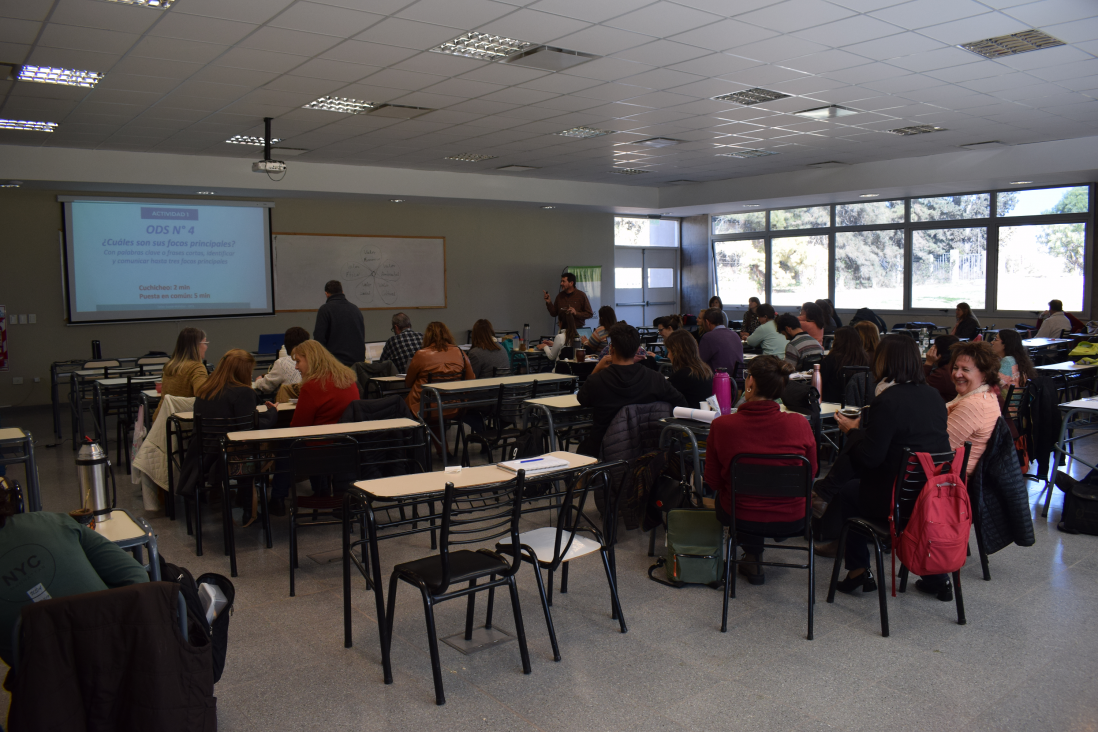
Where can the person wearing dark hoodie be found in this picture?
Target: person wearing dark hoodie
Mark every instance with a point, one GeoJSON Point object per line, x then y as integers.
{"type": "Point", "coordinates": [618, 382]}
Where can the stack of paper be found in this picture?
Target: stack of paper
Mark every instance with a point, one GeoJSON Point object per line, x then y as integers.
{"type": "Point", "coordinates": [698, 415]}
{"type": "Point", "coordinates": [542, 464]}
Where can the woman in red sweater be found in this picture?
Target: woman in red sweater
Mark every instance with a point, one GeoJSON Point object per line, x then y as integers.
{"type": "Point", "coordinates": [327, 388]}
{"type": "Point", "coordinates": [758, 426]}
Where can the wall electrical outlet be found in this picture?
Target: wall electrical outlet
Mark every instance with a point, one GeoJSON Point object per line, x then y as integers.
{"type": "Point", "coordinates": [17, 380]}
{"type": "Point", "coordinates": [22, 320]}
{"type": "Point", "coordinates": [37, 379]}
{"type": "Point", "coordinates": [32, 318]}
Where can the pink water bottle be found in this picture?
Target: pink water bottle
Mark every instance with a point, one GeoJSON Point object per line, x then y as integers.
{"type": "Point", "coordinates": [817, 379]}
{"type": "Point", "coordinates": [722, 389]}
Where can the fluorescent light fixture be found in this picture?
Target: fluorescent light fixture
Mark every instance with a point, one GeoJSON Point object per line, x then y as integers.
{"type": "Point", "coordinates": [916, 130]}
{"type": "Point", "coordinates": [746, 153]}
{"type": "Point", "coordinates": [28, 125]}
{"type": "Point", "coordinates": [1013, 44]}
{"type": "Point", "coordinates": [340, 104]}
{"type": "Point", "coordinates": [66, 77]}
{"type": "Point", "coordinates": [471, 157]}
{"type": "Point", "coordinates": [583, 132]}
{"type": "Point", "coordinates": [548, 208]}
{"type": "Point", "coordinates": [399, 111]}
{"type": "Point", "coordinates": [206, 193]}
{"type": "Point", "coordinates": [869, 195]}
{"type": "Point", "coordinates": [659, 142]}
{"type": "Point", "coordinates": [483, 46]}
{"type": "Point", "coordinates": [396, 200]}
{"type": "Point", "coordinates": [747, 97]}
{"type": "Point", "coordinates": [1020, 182]}
{"type": "Point", "coordinates": [830, 112]}
{"type": "Point", "coordinates": [12, 184]}
{"type": "Point", "coordinates": [628, 171]}
{"type": "Point", "coordinates": [158, 4]}
{"type": "Point", "coordinates": [752, 205]}
{"type": "Point", "coordinates": [550, 58]}
{"type": "Point", "coordinates": [516, 168]}
{"type": "Point", "coordinates": [250, 140]}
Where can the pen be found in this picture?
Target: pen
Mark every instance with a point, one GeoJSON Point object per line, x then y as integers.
{"type": "Point", "coordinates": [532, 460]}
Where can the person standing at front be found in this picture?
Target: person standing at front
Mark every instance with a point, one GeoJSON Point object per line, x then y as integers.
{"type": "Point", "coordinates": [569, 300]}
{"type": "Point", "coordinates": [340, 326]}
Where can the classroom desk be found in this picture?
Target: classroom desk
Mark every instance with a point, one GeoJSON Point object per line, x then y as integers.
{"type": "Point", "coordinates": [389, 385]}
{"type": "Point", "coordinates": [1067, 367]}
{"type": "Point", "coordinates": [116, 396]}
{"type": "Point", "coordinates": [367, 497]}
{"type": "Point", "coordinates": [448, 395]}
{"type": "Point", "coordinates": [128, 533]}
{"type": "Point", "coordinates": [22, 442]}
{"type": "Point", "coordinates": [565, 404]}
{"type": "Point", "coordinates": [1080, 408]}
{"type": "Point", "coordinates": [1044, 342]}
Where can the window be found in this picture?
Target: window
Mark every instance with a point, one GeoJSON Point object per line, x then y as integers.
{"type": "Point", "coordinates": [741, 270]}
{"type": "Point", "coordinates": [645, 232]}
{"type": "Point", "coordinates": [948, 266]}
{"type": "Point", "coordinates": [1044, 201]}
{"type": "Point", "coordinates": [661, 277]}
{"type": "Point", "coordinates": [948, 208]}
{"type": "Point", "coordinates": [1041, 263]}
{"type": "Point", "coordinates": [799, 271]}
{"type": "Point", "coordinates": [870, 213]}
{"type": "Point", "coordinates": [869, 269]}
{"type": "Point", "coordinates": [739, 223]}
{"type": "Point", "coordinates": [815, 217]}
{"type": "Point", "coordinates": [627, 278]}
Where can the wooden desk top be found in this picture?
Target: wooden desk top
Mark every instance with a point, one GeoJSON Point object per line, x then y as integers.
{"type": "Point", "coordinates": [1042, 342]}
{"type": "Point", "coordinates": [476, 384]}
{"type": "Point", "coordinates": [12, 433]}
{"type": "Point", "coordinates": [284, 407]}
{"type": "Point", "coordinates": [1068, 366]}
{"type": "Point", "coordinates": [151, 393]}
{"type": "Point", "coordinates": [1091, 404]}
{"type": "Point", "coordinates": [426, 483]}
{"type": "Point", "coordinates": [150, 379]}
{"type": "Point", "coordinates": [121, 527]}
{"type": "Point", "coordinates": [389, 379]}
{"type": "Point", "coordinates": [565, 401]}
{"type": "Point", "coordinates": [285, 433]}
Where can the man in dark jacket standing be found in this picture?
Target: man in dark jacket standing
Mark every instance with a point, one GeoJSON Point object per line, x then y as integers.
{"type": "Point", "coordinates": [617, 382]}
{"type": "Point", "coordinates": [340, 327]}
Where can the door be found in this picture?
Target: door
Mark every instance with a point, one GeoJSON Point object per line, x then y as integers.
{"type": "Point", "coordinates": [646, 283]}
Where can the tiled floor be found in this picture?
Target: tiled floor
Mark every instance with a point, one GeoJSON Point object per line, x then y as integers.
{"type": "Point", "coordinates": [1027, 659]}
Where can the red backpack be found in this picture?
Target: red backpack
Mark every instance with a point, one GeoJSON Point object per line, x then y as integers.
{"type": "Point", "coordinates": [935, 540]}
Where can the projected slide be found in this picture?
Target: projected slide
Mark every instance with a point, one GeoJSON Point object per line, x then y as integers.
{"type": "Point", "coordinates": [166, 259]}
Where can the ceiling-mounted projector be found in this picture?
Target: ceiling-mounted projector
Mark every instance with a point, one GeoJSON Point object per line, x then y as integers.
{"type": "Point", "coordinates": [269, 166]}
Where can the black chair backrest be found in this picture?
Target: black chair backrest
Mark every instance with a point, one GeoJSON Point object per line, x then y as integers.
{"type": "Point", "coordinates": [755, 474]}
{"type": "Point", "coordinates": [910, 479]}
{"type": "Point", "coordinates": [210, 431]}
{"type": "Point", "coordinates": [501, 371]}
{"type": "Point", "coordinates": [480, 515]}
{"type": "Point", "coordinates": [856, 382]}
{"type": "Point", "coordinates": [807, 362]}
{"type": "Point", "coordinates": [510, 403]}
{"type": "Point", "coordinates": [828, 341]}
{"type": "Point", "coordinates": [324, 455]}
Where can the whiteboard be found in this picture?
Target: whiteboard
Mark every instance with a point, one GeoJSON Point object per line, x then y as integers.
{"type": "Point", "coordinates": [377, 272]}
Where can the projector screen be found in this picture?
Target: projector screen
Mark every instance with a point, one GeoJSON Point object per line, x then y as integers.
{"type": "Point", "coordinates": [159, 259]}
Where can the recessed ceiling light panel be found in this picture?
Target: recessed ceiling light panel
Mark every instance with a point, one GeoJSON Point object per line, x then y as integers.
{"type": "Point", "coordinates": [13, 184]}
{"type": "Point", "coordinates": [747, 97]}
{"type": "Point", "coordinates": [341, 104]}
{"type": "Point", "coordinates": [583, 132]}
{"type": "Point", "coordinates": [829, 112]}
{"type": "Point", "coordinates": [206, 193]}
{"type": "Point", "coordinates": [548, 208]}
{"type": "Point", "coordinates": [1013, 44]}
{"type": "Point", "coordinates": [1020, 182]}
{"type": "Point", "coordinates": [628, 171]}
{"type": "Point", "coordinates": [471, 157]}
{"type": "Point", "coordinates": [483, 46]}
{"type": "Point", "coordinates": [28, 125]}
{"type": "Point", "coordinates": [752, 205]}
{"type": "Point", "coordinates": [65, 77]}
{"type": "Point", "coordinates": [747, 153]}
{"type": "Point", "coordinates": [250, 140]}
{"type": "Point", "coordinates": [396, 200]}
{"type": "Point", "coordinates": [158, 4]}
{"type": "Point", "coordinates": [869, 195]}
{"type": "Point", "coordinates": [916, 130]}
{"type": "Point", "coordinates": [516, 168]}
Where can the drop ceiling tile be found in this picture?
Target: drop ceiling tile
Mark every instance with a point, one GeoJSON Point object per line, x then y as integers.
{"type": "Point", "coordinates": [661, 53]}
{"type": "Point", "coordinates": [715, 64]}
{"type": "Point", "coordinates": [611, 92]}
{"type": "Point", "coordinates": [369, 93]}
{"type": "Point", "coordinates": [430, 101]}
{"type": "Point", "coordinates": [324, 19]}
{"type": "Point", "coordinates": [533, 26]}
{"type": "Point", "coordinates": [561, 83]}
{"type": "Point", "coordinates": [396, 79]}
{"type": "Point", "coordinates": [482, 106]}
{"type": "Point", "coordinates": [55, 35]}
{"type": "Point", "coordinates": [593, 12]}
{"type": "Point", "coordinates": [25, 9]}
{"type": "Point", "coordinates": [72, 59]}
{"type": "Point", "coordinates": [133, 82]}
{"type": "Point", "coordinates": [1049, 12]}
{"type": "Point", "coordinates": [656, 116]}
{"type": "Point", "coordinates": [795, 15]}
{"type": "Point", "coordinates": [14, 52]}
{"type": "Point", "coordinates": [155, 67]}
{"type": "Point", "coordinates": [724, 35]}
{"type": "Point", "coordinates": [249, 11]}
{"type": "Point", "coordinates": [763, 75]}
{"type": "Point", "coordinates": [175, 49]}
{"type": "Point", "coordinates": [968, 72]}
{"type": "Point", "coordinates": [923, 13]}
{"type": "Point", "coordinates": [778, 48]}
{"type": "Point", "coordinates": [280, 40]}
{"type": "Point", "coordinates": [446, 116]}
{"type": "Point", "coordinates": [518, 95]}
{"type": "Point", "coordinates": [288, 100]}
{"type": "Point", "coordinates": [663, 19]}
{"type": "Point", "coordinates": [857, 29]}
{"type": "Point", "coordinates": [462, 88]}
{"type": "Point", "coordinates": [120, 96]}
{"type": "Point", "coordinates": [809, 86]}
{"type": "Point", "coordinates": [323, 68]}
{"type": "Point", "coordinates": [441, 64]}
{"type": "Point", "coordinates": [601, 40]}
{"type": "Point", "coordinates": [222, 92]}
{"type": "Point", "coordinates": [189, 102]}
{"type": "Point", "coordinates": [408, 33]}
{"type": "Point", "coordinates": [456, 13]}
{"type": "Point", "coordinates": [49, 91]}
{"type": "Point", "coordinates": [661, 79]}
{"type": "Point", "coordinates": [818, 63]}
{"type": "Point", "coordinates": [370, 54]}
{"type": "Point", "coordinates": [937, 59]}
{"type": "Point", "coordinates": [491, 122]}
{"type": "Point", "coordinates": [1078, 69]}
{"type": "Point", "coordinates": [505, 75]}
{"type": "Point", "coordinates": [1058, 56]}
{"type": "Point", "coordinates": [661, 100]}
{"type": "Point", "coordinates": [1074, 32]}
{"type": "Point", "coordinates": [608, 69]}
{"type": "Point", "coordinates": [902, 44]}
{"type": "Point", "coordinates": [197, 28]}
{"type": "Point", "coordinates": [975, 28]}
{"type": "Point", "coordinates": [902, 84]}
{"type": "Point", "coordinates": [869, 72]}
{"type": "Point", "coordinates": [570, 103]}
{"type": "Point", "coordinates": [250, 58]}
{"type": "Point", "coordinates": [19, 31]}
{"type": "Point", "coordinates": [241, 77]}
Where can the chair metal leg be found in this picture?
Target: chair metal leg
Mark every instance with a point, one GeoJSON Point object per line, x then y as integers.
{"type": "Point", "coordinates": [432, 640]}
{"type": "Point", "coordinates": [549, 588]}
{"type": "Point", "coordinates": [230, 533]}
{"type": "Point", "coordinates": [983, 555]}
{"type": "Point", "coordinates": [564, 579]}
{"type": "Point", "coordinates": [187, 513]}
{"type": "Point", "coordinates": [198, 524]}
{"type": "Point", "coordinates": [959, 599]}
{"type": "Point", "coordinates": [491, 603]}
{"type": "Point", "coordinates": [728, 586]}
{"type": "Point", "coordinates": [811, 583]}
{"type": "Point", "coordinates": [882, 593]}
{"type": "Point", "coordinates": [904, 574]}
{"type": "Point", "coordinates": [520, 631]}
{"type": "Point", "coordinates": [545, 609]}
{"type": "Point", "coordinates": [347, 571]}
{"type": "Point", "coordinates": [615, 600]}
{"type": "Point", "coordinates": [840, 553]}
{"type": "Point", "coordinates": [261, 486]}
{"type": "Point", "coordinates": [469, 611]}
{"type": "Point", "coordinates": [652, 542]}
{"type": "Point", "coordinates": [293, 545]}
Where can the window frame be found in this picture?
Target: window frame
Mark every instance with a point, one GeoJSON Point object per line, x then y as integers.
{"type": "Point", "coordinates": [992, 223]}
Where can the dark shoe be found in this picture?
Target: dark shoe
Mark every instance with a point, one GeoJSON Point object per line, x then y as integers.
{"type": "Point", "coordinates": [277, 506]}
{"type": "Point", "coordinates": [944, 592]}
{"type": "Point", "coordinates": [828, 549]}
{"type": "Point", "coordinates": [864, 580]}
{"type": "Point", "coordinates": [819, 507]}
{"type": "Point", "coordinates": [750, 569]}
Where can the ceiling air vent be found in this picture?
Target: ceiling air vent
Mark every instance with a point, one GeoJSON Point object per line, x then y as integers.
{"type": "Point", "coordinates": [1013, 44]}
{"type": "Point", "coordinates": [916, 130]}
{"type": "Point", "coordinates": [747, 97]}
{"type": "Point", "coordinates": [471, 157]}
{"type": "Point", "coordinates": [747, 153]}
{"type": "Point", "coordinates": [549, 58]}
{"type": "Point", "coordinates": [628, 171]}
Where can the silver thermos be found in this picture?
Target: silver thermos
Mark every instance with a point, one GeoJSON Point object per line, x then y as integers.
{"type": "Point", "coordinates": [91, 466]}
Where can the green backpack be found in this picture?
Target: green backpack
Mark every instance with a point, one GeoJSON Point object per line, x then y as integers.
{"type": "Point", "coordinates": [695, 549]}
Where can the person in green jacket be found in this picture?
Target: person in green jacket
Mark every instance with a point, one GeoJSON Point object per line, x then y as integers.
{"type": "Point", "coordinates": [766, 336]}
{"type": "Point", "coordinates": [47, 555]}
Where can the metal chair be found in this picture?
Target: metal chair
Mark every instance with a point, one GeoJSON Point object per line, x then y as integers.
{"type": "Point", "coordinates": [318, 457]}
{"type": "Point", "coordinates": [505, 418]}
{"type": "Point", "coordinates": [909, 483]}
{"type": "Point", "coordinates": [857, 382]}
{"type": "Point", "coordinates": [446, 422]}
{"type": "Point", "coordinates": [771, 476]}
{"type": "Point", "coordinates": [470, 516]}
{"type": "Point", "coordinates": [553, 547]}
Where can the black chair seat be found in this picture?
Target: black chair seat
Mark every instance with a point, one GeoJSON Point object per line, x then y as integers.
{"type": "Point", "coordinates": [465, 565]}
